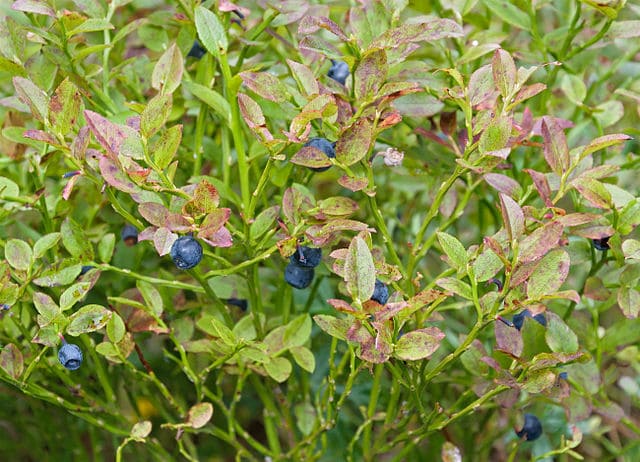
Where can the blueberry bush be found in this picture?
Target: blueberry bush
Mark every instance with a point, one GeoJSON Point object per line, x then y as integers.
{"type": "Point", "coordinates": [319, 230]}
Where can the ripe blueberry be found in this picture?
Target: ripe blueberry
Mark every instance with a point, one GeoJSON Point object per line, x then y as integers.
{"type": "Point", "coordinates": [70, 356]}
{"type": "Point", "coordinates": [129, 235]}
{"type": "Point", "coordinates": [308, 257]}
{"type": "Point", "coordinates": [601, 244]}
{"type": "Point", "coordinates": [85, 269]}
{"type": "Point", "coordinates": [380, 292]}
{"type": "Point", "coordinates": [563, 375]}
{"type": "Point", "coordinates": [186, 252]}
{"type": "Point", "coordinates": [324, 145]}
{"type": "Point", "coordinates": [298, 276]}
{"type": "Point", "coordinates": [518, 319]}
{"type": "Point", "coordinates": [239, 302]}
{"type": "Point", "coordinates": [196, 51]}
{"type": "Point", "coordinates": [339, 71]}
{"type": "Point", "coordinates": [532, 428]}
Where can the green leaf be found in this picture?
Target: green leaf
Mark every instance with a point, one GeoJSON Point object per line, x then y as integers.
{"type": "Point", "coordinates": [222, 332]}
{"type": "Point", "coordinates": [151, 296]}
{"type": "Point", "coordinates": [75, 240]}
{"type": "Point", "coordinates": [304, 77]}
{"type": "Point", "coordinates": [47, 309]}
{"type": "Point", "coordinates": [60, 274]}
{"type": "Point", "coordinates": [305, 417]}
{"type": "Point", "coordinates": [89, 318]}
{"type": "Point", "coordinates": [265, 220]}
{"type": "Point", "coordinates": [266, 85]}
{"type": "Point", "coordinates": [538, 243]}
{"type": "Point", "coordinates": [304, 357]}
{"type": "Point", "coordinates": [31, 95]}
{"type": "Point", "coordinates": [64, 107]}
{"type": "Point", "coordinates": [167, 146]}
{"type": "Point", "coordinates": [496, 135]}
{"type": "Point", "coordinates": [574, 88]}
{"type": "Point", "coordinates": [418, 105]}
{"type": "Point", "coordinates": [513, 217]}
{"type": "Point", "coordinates": [91, 25]}
{"type": "Point", "coordinates": [559, 336]}
{"type": "Point", "coordinates": [593, 191]}
{"type": "Point", "coordinates": [549, 274]}
{"type": "Point", "coordinates": [333, 326]}
{"type": "Point", "coordinates": [167, 73]}
{"type": "Point", "coordinates": [486, 265]}
{"type": "Point", "coordinates": [297, 332]}
{"type": "Point", "coordinates": [509, 13]}
{"type": "Point", "coordinates": [211, 31]}
{"type": "Point", "coordinates": [454, 250]}
{"type": "Point", "coordinates": [155, 114]}
{"type": "Point", "coordinates": [200, 414]}
{"type": "Point", "coordinates": [359, 270]}
{"type": "Point", "coordinates": [106, 246]}
{"type": "Point", "coordinates": [354, 142]}
{"type": "Point", "coordinates": [504, 72]}
{"type": "Point", "coordinates": [18, 254]}
{"type": "Point", "coordinates": [629, 302]}
{"type": "Point", "coordinates": [279, 369]}
{"type": "Point", "coordinates": [45, 243]}
{"type": "Point", "coordinates": [73, 294]}
{"type": "Point", "coordinates": [11, 360]}
{"type": "Point", "coordinates": [115, 328]}
{"type": "Point", "coordinates": [211, 98]}
{"type": "Point", "coordinates": [456, 286]}
{"type": "Point", "coordinates": [418, 344]}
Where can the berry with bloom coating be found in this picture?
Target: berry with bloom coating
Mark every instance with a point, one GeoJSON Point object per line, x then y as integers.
{"type": "Point", "coordinates": [308, 257]}
{"type": "Point", "coordinates": [129, 235]}
{"type": "Point", "coordinates": [339, 71]}
{"type": "Point", "coordinates": [518, 319]}
{"type": "Point", "coordinates": [324, 145]}
{"type": "Point", "coordinates": [298, 276]}
{"type": "Point", "coordinates": [186, 252]}
{"type": "Point", "coordinates": [380, 292]}
{"type": "Point", "coordinates": [70, 356]}
{"type": "Point", "coordinates": [532, 428]}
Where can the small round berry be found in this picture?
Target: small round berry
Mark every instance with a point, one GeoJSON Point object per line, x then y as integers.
{"type": "Point", "coordinates": [518, 319]}
{"type": "Point", "coordinates": [309, 257]}
{"type": "Point", "coordinates": [186, 252]}
{"type": "Point", "coordinates": [70, 356]}
{"type": "Point", "coordinates": [298, 276]}
{"type": "Point", "coordinates": [196, 51]}
{"type": "Point", "coordinates": [239, 302]}
{"type": "Point", "coordinates": [324, 145]}
{"type": "Point", "coordinates": [532, 428]}
{"type": "Point", "coordinates": [85, 269]}
{"type": "Point", "coordinates": [339, 71]}
{"type": "Point", "coordinates": [601, 244]}
{"type": "Point", "coordinates": [129, 235]}
{"type": "Point", "coordinates": [380, 292]}
{"type": "Point", "coordinates": [563, 375]}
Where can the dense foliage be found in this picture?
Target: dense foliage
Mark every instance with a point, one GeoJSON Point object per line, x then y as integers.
{"type": "Point", "coordinates": [304, 230]}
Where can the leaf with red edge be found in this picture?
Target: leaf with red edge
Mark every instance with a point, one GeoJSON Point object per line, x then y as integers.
{"type": "Point", "coordinates": [527, 92]}
{"type": "Point", "coordinates": [311, 157]}
{"type": "Point", "coordinates": [508, 339]}
{"type": "Point", "coordinates": [593, 191]}
{"type": "Point", "coordinates": [33, 6]}
{"type": "Point", "coordinates": [354, 142]}
{"type": "Point", "coordinates": [253, 116]}
{"type": "Point", "coordinates": [115, 177]}
{"type": "Point", "coordinates": [370, 74]}
{"type": "Point", "coordinates": [603, 142]}
{"type": "Point", "coordinates": [109, 135]}
{"type": "Point", "coordinates": [154, 213]}
{"type": "Point", "coordinates": [542, 185]}
{"type": "Point", "coordinates": [214, 221]}
{"type": "Point", "coordinates": [341, 305]}
{"type": "Point", "coordinates": [205, 200]}
{"type": "Point", "coordinates": [163, 239]}
{"type": "Point", "coordinates": [11, 360]}
{"type": "Point", "coordinates": [556, 150]}
{"type": "Point", "coordinates": [549, 274]}
{"type": "Point", "coordinates": [629, 302]}
{"type": "Point", "coordinates": [305, 78]}
{"type": "Point", "coordinates": [221, 238]}
{"type": "Point", "coordinates": [504, 184]}
{"type": "Point", "coordinates": [310, 24]}
{"type": "Point", "coordinates": [512, 216]}
{"type": "Point", "coordinates": [504, 72]}
{"type": "Point", "coordinates": [353, 184]}
{"type": "Point", "coordinates": [429, 29]}
{"type": "Point", "coordinates": [538, 243]}
{"type": "Point", "coordinates": [266, 85]}
{"type": "Point", "coordinates": [418, 344]}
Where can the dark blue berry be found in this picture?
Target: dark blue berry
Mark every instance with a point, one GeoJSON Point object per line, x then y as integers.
{"type": "Point", "coordinates": [380, 292]}
{"type": "Point", "coordinates": [324, 145]}
{"type": "Point", "coordinates": [70, 356]}
{"type": "Point", "coordinates": [239, 302]}
{"type": "Point", "coordinates": [518, 319]}
{"type": "Point", "coordinates": [197, 51]}
{"type": "Point", "coordinates": [309, 257]}
{"type": "Point", "coordinates": [298, 276]}
{"type": "Point", "coordinates": [563, 375]}
{"type": "Point", "coordinates": [4, 307]}
{"type": "Point", "coordinates": [532, 428]}
{"type": "Point", "coordinates": [186, 252]}
{"type": "Point", "coordinates": [129, 235]}
{"type": "Point", "coordinates": [339, 71]}
{"type": "Point", "coordinates": [85, 269]}
{"type": "Point", "coordinates": [601, 244]}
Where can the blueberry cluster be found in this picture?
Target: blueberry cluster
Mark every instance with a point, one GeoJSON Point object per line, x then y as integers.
{"type": "Point", "coordinates": [532, 428]}
{"type": "Point", "coordinates": [70, 356]}
{"type": "Point", "coordinates": [300, 270]}
{"type": "Point", "coordinates": [339, 71]}
{"type": "Point", "coordinates": [324, 145]}
{"type": "Point", "coordinates": [186, 252]}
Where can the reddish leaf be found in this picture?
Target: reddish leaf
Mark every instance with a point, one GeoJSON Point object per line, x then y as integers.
{"type": "Point", "coordinates": [354, 142]}
{"type": "Point", "coordinates": [604, 142]}
{"type": "Point", "coordinates": [508, 339]}
{"type": "Point", "coordinates": [512, 216]}
{"type": "Point", "coordinates": [504, 72]}
{"type": "Point", "coordinates": [527, 92]}
{"type": "Point", "coordinates": [556, 150]}
{"type": "Point", "coordinates": [593, 191]}
{"type": "Point", "coordinates": [154, 213]}
{"type": "Point", "coordinates": [33, 6]}
{"type": "Point", "coordinates": [310, 24]}
{"type": "Point", "coordinates": [11, 360]}
{"type": "Point", "coordinates": [113, 175]}
{"type": "Point", "coordinates": [311, 157]}
{"type": "Point", "coordinates": [503, 184]}
{"type": "Point", "coordinates": [353, 184]}
{"type": "Point", "coordinates": [221, 238]}
{"type": "Point", "coordinates": [341, 306]}
{"type": "Point", "coordinates": [370, 74]}
{"type": "Point", "coordinates": [31, 95]}
{"type": "Point", "coordinates": [429, 30]}
{"type": "Point", "coordinates": [205, 200]}
{"type": "Point", "coordinates": [163, 239]}
{"type": "Point", "coordinates": [109, 135]}
{"type": "Point", "coordinates": [305, 78]}
{"type": "Point", "coordinates": [538, 243]}
{"type": "Point", "coordinates": [542, 185]}
{"type": "Point", "coordinates": [266, 85]}
{"type": "Point", "coordinates": [214, 221]}
{"type": "Point", "coordinates": [253, 116]}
